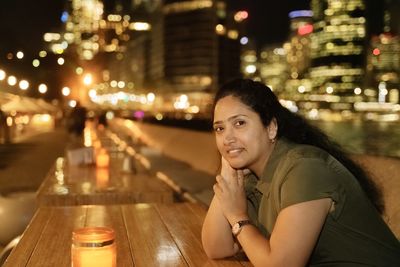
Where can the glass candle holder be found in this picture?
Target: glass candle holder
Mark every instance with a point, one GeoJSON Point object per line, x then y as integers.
{"type": "Point", "coordinates": [102, 178]}
{"type": "Point", "coordinates": [102, 159]}
{"type": "Point", "coordinates": [93, 247]}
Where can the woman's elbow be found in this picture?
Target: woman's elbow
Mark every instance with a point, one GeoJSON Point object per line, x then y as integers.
{"type": "Point", "coordinates": [211, 254]}
{"type": "Point", "coordinates": [217, 251]}
{"type": "Point", "coordinates": [215, 254]}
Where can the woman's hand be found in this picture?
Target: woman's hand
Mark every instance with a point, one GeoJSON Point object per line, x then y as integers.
{"type": "Point", "coordinates": [230, 192]}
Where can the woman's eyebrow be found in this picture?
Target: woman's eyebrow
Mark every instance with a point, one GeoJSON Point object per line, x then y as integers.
{"type": "Point", "coordinates": [230, 118]}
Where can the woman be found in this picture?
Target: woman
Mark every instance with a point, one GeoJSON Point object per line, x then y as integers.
{"type": "Point", "coordinates": [286, 195]}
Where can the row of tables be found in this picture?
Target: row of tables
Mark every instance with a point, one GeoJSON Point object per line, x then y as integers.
{"type": "Point", "coordinates": [150, 228]}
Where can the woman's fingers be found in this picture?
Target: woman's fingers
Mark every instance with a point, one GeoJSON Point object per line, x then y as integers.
{"type": "Point", "coordinates": [246, 172]}
{"type": "Point", "coordinates": [240, 177]}
{"type": "Point", "coordinates": [226, 169]}
{"type": "Point", "coordinates": [218, 187]}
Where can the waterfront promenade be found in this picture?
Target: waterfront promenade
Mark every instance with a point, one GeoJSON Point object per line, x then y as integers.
{"type": "Point", "coordinates": [201, 155]}
{"type": "Point", "coordinates": [25, 162]}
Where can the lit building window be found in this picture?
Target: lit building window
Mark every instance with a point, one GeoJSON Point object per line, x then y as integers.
{"type": "Point", "coordinates": [185, 6]}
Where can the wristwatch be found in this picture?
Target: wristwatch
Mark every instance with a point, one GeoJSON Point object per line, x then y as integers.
{"type": "Point", "coordinates": [237, 227]}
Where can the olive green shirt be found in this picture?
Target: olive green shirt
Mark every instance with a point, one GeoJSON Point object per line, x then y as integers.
{"type": "Point", "coordinates": [354, 234]}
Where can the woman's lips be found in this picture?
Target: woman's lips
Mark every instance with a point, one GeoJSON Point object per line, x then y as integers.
{"type": "Point", "coordinates": [234, 151]}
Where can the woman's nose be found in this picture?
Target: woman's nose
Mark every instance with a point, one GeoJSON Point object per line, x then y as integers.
{"type": "Point", "coordinates": [229, 136]}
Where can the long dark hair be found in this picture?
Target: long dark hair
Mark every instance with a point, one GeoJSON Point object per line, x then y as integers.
{"type": "Point", "coordinates": [295, 128]}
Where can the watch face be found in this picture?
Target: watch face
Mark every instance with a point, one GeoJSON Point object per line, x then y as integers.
{"type": "Point", "coordinates": [236, 228]}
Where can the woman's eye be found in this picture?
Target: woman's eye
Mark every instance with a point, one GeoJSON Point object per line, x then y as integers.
{"type": "Point", "coordinates": [240, 123]}
{"type": "Point", "coordinates": [218, 129]}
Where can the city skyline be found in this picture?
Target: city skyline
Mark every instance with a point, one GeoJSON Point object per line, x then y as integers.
{"type": "Point", "coordinates": [268, 22]}
{"type": "Point", "coordinates": [127, 74]}
{"type": "Point", "coordinates": [44, 16]}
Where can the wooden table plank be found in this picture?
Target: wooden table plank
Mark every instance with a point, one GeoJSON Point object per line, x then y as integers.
{"type": "Point", "coordinates": [56, 236]}
{"type": "Point", "coordinates": [152, 234]}
{"type": "Point", "coordinates": [185, 224]}
{"type": "Point", "coordinates": [30, 238]}
{"type": "Point", "coordinates": [150, 241]}
{"type": "Point", "coordinates": [89, 185]}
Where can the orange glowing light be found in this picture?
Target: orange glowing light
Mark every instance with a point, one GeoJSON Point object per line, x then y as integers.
{"type": "Point", "coordinates": [376, 52]}
{"type": "Point", "coordinates": [103, 159]}
{"type": "Point", "coordinates": [102, 178]}
{"type": "Point", "coordinates": [305, 29]}
{"type": "Point", "coordinates": [94, 247]}
{"type": "Point", "coordinates": [241, 15]}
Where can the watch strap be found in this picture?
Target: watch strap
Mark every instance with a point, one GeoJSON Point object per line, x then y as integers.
{"type": "Point", "coordinates": [244, 222]}
{"type": "Point", "coordinates": [238, 225]}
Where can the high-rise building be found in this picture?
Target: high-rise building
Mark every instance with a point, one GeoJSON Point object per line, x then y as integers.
{"type": "Point", "coordinates": [166, 47]}
{"type": "Point", "coordinates": [338, 49]}
{"type": "Point", "coordinates": [108, 41]}
{"type": "Point", "coordinates": [299, 45]}
{"type": "Point", "coordinates": [130, 63]}
{"type": "Point", "coordinates": [273, 67]}
{"type": "Point", "coordinates": [201, 49]}
{"type": "Point", "coordinates": [298, 55]}
{"type": "Point", "coordinates": [383, 60]}
{"type": "Point", "coordinates": [391, 16]}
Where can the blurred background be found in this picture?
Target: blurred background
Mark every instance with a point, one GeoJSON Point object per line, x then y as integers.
{"type": "Point", "coordinates": [336, 62]}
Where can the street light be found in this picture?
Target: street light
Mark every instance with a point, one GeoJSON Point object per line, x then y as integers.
{"type": "Point", "coordinates": [42, 88]}
{"type": "Point", "coordinates": [20, 55]}
{"type": "Point", "coordinates": [60, 61]}
{"type": "Point", "coordinates": [66, 91]}
{"type": "Point", "coordinates": [12, 80]}
{"type": "Point", "coordinates": [2, 75]}
{"type": "Point", "coordinates": [87, 80]}
{"type": "Point", "coordinates": [24, 85]}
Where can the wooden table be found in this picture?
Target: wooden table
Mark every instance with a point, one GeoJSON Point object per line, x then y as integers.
{"type": "Point", "coordinates": [88, 184]}
{"type": "Point", "coordinates": [147, 235]}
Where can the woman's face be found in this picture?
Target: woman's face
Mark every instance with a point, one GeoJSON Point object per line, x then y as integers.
{"type": "Point", "coordinates": [241, 137]}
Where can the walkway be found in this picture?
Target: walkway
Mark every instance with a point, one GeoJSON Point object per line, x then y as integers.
{"type": "Point", "coordinates": [24, 163]}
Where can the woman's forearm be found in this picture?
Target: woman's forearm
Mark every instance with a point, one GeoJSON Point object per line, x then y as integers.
{"type": "Point", "coordinates": [216, 234]}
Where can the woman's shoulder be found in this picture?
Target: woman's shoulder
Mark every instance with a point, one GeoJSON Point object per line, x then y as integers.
{"type": "Point", "coordinates": [304, 152]}
{"type": "Point", "coordinates": [310, 161]}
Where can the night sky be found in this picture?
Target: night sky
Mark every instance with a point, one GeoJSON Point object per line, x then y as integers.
{"type": "Point", "coordinates": [268, 21]}
{"type": "Point", "coordinates": [23, 22]}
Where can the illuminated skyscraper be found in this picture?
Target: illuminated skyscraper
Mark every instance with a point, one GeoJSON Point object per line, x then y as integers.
{"type": "Point", "coordinates": [201, 49]}
{"type": "Point", "coordinates": [299, 46]}
{"type": "Point", "coordinates": [338, 48]}
{"type": "Point", "coordinates": [273, 67]}
{"type": "Point", "coordinates": [83, 25]}
{"type": "Point", "coordinates": [384, 65]}
{"type": "Point", "coordinates": [298, 54]}
{"type": "Point", "coordinates": [384, 60]}
{"type": "Point", "coordinates": [132, 39]}
{"type": "Point", "coordinates": [170, 46]}
{"type": "Point", "coordinates": [107, 40]}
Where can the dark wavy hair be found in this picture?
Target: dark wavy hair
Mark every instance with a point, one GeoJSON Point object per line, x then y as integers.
{"type": "Point", "coordinates": [295, 128]}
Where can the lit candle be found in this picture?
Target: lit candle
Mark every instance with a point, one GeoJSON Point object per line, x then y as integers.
{"type": "Point", "coordinates": [102, 159]}
{"type": "Point", "coordinates": [102, 178]}
{"type": "Point", "coordinates": [93, 247]}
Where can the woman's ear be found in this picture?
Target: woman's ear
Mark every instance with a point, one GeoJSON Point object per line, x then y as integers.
{"type": "Point", "coordinates": [273, 129]}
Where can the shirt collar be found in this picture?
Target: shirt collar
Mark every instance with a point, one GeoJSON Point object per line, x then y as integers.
{"type": "Point", "coordinates": [282, 146]}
